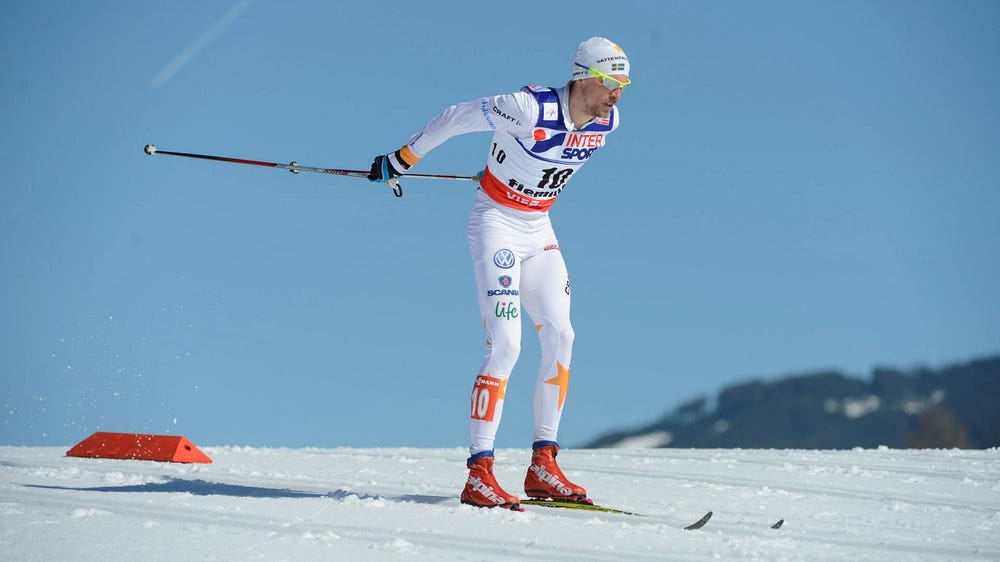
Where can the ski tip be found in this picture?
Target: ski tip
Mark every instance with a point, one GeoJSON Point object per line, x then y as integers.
{"type": "Point", "coordinates": [699, 523]}
{"type": "Point", "coordinates": [778, 524]}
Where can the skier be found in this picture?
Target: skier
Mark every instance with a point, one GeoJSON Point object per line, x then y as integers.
{"type": "Point", "coordinates": [542, 136]}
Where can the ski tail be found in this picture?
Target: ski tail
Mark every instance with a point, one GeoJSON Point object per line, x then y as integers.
{"type": "Point", "coordinates": [699, 523]}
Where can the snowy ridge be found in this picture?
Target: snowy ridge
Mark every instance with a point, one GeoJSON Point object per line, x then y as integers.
{"type": "Point", "coordinates": [396, 504]}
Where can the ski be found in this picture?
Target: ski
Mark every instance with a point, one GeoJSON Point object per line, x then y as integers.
{"type": "Point", "coordinates": [778, 524]}
{"type": "Point", "coordinates": [699, 523]}
{"type": "Point", "coordinates": [578, 505]}
{"type": "Point", "coordinates": [605, 509]}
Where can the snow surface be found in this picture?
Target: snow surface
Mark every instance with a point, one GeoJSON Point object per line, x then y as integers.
{"type": "Point", "coordinates": [402, 504]}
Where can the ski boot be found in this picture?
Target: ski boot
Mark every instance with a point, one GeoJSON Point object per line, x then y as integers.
{"type": "Point", "coordinates": [546, 481]}
{"type": "Point", "coordinates": [482, 489]}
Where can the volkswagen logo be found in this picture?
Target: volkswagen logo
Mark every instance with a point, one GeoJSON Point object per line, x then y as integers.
{"type": "Point", "coordinates": [504, 259]}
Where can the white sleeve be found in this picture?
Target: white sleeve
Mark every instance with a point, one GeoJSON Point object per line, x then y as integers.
{"type": "Point", "coordinates": [515, 113]}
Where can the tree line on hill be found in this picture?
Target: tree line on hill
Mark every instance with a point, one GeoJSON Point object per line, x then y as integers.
{"type": "Point", "coordinates": [953, 407]}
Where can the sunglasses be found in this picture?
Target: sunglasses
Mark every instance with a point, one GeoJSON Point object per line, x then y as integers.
{"type": "Point", "coordinates": [609, 82]}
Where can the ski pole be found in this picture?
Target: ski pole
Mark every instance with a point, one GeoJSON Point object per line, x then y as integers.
{"type": "Point", "coordinates": [295, 167]}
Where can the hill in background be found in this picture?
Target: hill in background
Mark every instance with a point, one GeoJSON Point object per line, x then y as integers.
{"type": "Point", "coordinates": [954, 407]}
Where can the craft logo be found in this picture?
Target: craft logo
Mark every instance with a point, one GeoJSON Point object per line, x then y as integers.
{"type": "Point", "coordinates": [504, 259]}
{"type": "Point", "coordinates": [500, 112]}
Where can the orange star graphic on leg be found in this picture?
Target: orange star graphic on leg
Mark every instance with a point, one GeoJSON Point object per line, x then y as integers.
{"type": "Point", "coordinates": [562, 380]}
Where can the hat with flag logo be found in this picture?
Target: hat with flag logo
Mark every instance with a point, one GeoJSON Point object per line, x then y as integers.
{"type": "Point", "coordinates": [599, 53]}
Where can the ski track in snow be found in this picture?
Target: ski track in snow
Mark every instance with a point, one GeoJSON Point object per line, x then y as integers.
{"type": "Point", "coordinates": [396, 504]}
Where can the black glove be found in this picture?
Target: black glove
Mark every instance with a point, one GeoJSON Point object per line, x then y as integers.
{"type": "Point", "coordinates": [392, 165]}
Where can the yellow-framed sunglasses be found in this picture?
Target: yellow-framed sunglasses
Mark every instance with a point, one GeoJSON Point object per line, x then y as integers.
{"type": "Point", "coordinates": [608, 82]}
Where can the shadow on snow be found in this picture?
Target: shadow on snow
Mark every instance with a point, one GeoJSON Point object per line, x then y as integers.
{"type": "Point", "coordinates": [205, 488]}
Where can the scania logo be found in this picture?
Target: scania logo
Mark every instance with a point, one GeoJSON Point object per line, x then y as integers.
{"type": "Point", "coordinates": [504, 259]}
{"type": "Point", "coordinates": [504, 281]}
{"type": "Point", "coordinates": [502, 292]}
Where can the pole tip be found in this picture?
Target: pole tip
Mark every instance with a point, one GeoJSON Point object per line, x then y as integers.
{"type": "Point", "coordinates": [150, 149]}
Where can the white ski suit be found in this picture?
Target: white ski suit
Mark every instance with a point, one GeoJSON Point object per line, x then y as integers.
{"type": "Point", "coordinates": [518, 265]}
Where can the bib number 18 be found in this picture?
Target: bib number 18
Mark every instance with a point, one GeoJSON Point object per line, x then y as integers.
{"type": "Point", "coordinates": [556, 176]}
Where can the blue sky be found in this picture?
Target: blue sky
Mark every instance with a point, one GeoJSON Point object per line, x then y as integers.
{"type": "Point", "coordinates": [803, 185]}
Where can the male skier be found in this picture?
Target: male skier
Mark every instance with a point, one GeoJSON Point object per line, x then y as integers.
{"type": "Point", "coordinates": [542, 136]}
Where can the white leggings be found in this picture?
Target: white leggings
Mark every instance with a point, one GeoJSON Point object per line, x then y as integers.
{"type": "Point", "coordinates": [519, 268]}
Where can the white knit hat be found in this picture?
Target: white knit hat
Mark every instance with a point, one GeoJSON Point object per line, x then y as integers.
{"type": "Point", "coordinates": [599, 53]}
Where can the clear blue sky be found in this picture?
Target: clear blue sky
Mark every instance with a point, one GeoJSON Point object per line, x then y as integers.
{"type": "Point", "coordinates": [804, 185]}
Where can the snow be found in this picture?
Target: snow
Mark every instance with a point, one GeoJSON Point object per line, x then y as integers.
{"type": "Point", "coordinates": [650, 440]}
{"type": "Point", "coordinates": [854, 407]}
{"type": "Point", "coordinates": [402, 504]}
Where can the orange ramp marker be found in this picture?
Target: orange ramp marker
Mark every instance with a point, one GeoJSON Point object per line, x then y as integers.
{"type": "Point", "coordinates": [138, 446]}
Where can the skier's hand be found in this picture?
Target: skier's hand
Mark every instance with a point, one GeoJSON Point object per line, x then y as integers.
{"type": "Point", "coordinates": [382, 169]}
{"type": "Point", "coordinates": [389, 166]}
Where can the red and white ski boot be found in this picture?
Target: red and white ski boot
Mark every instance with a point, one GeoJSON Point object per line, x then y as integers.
{"type": "Point", "coordinates": [546, 481]}
{"type": "Point", "coordinates": [482, 489]}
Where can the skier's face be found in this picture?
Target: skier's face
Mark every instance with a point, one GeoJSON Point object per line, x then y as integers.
{"type": "Point", "coordinates": [598, 99]}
